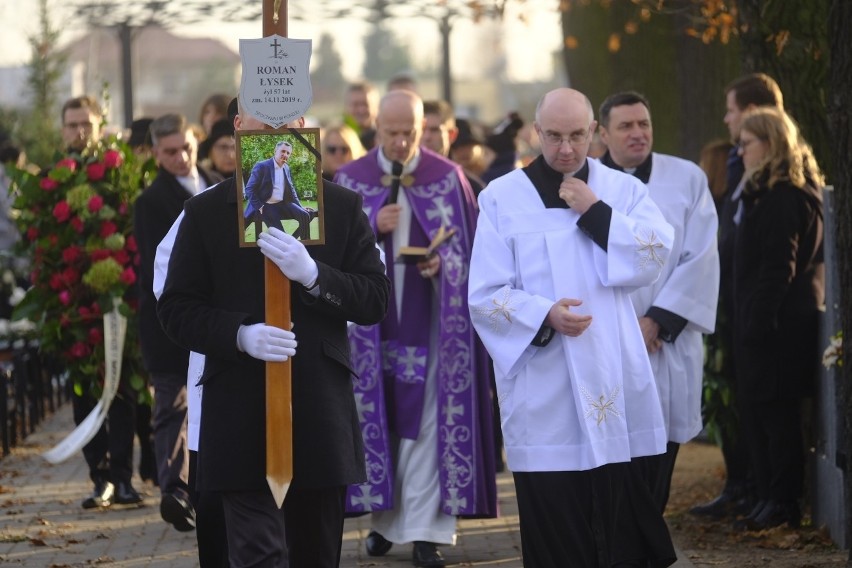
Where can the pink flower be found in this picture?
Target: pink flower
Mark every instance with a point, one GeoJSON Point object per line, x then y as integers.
{"type": "Point", "coordinates": [96, 171]}
{"type": "Point", "coordinates": [62, 211]}
{"type": "Point", "coordinates": [107, 228]}
{"type": "Point", "coordinates": [95, 203]}
{"type": "Point", "coordinates": [84, 312]}
{"type": "Point", "coordinates": [128, 276]}
{"type": "Point", "coordinates": [67, 163]}
{"type": "Point", "coordinates": [112, 159]}
{"type": "Point", "coordinates": [48, 184]}
{"type": "Point", "coordinates": [122, 209]}
{"type": "Point", "coordinates": [65, 297]}
{"type": "Point", "coordinates": [130, 243]}
{"type": "Point", "coordinates": [32, 233]}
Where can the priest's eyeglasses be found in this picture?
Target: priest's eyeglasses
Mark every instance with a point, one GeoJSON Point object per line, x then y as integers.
{"type": "Point", "coordinates": [556, 139]}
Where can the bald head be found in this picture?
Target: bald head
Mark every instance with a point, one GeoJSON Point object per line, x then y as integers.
{"type": "Point", "coordinates": [564, 121]}
{"type": "Point", "coordinates": [399, 125]}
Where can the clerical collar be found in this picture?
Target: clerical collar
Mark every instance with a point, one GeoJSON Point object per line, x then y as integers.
{"type": "Point", "coordinates": [386, 165]}
{"type": "Point", "coordinates": [546, 181]}
{"type": "Point", "coordinates": [642, 171]}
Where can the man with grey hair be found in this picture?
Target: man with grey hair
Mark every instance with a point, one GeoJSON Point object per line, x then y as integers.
{"type": "Point", "coordinates": [559, 245]}
{"type": "Point", "coordinates": [178, 179]}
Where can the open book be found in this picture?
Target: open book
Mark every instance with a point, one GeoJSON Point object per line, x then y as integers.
{"type": "Point", "coordinates": [416, 254]}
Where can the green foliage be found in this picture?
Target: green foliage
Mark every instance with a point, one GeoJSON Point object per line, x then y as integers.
{"type": "Point", "coordinates": [39, 134]}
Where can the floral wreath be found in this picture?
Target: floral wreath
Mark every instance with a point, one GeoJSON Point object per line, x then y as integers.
{"type": "Point", "coordinates": [76, 221]}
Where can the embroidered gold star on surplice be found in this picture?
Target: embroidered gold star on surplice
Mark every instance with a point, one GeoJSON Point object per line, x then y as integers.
{"type": "Point", "coordinates": [500, 312]}
{"type": "Point", "coordinates": [602, 407]}
{"type": "Point", "coordinates": [648, 249]}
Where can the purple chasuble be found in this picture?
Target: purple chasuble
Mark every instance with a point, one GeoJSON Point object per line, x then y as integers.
{"type": "Point", "coordinates": [391, 358]}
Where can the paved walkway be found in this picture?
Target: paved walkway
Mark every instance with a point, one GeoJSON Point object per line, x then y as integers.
{"type": "Point", "coordinates": [43, 526]}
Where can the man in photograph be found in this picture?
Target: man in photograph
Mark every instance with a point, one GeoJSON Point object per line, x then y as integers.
{"type": "Point", "coordinates": [272, 196]}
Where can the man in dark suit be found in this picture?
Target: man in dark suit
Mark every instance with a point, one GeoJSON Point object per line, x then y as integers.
{"type": "Point", "coordinates": [271, 193]}
{"type": "Point", "coordinates": [213, 304]}
{"type": "Point", "coordinates": [178, 179]}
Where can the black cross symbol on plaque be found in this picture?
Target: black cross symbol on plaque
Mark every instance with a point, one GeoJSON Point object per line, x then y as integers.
{"type": "Point", "coordinates": [275, 45]}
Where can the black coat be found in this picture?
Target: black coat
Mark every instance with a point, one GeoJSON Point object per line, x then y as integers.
{"type": "Point", "coordinates": [155, 210]}
{"type": "Point", "coordinates": [214, 286]}
{"type": "Point", "coordinates": [779, 284]}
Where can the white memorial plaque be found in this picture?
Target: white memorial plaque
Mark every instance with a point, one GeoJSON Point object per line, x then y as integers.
{"type": "Point", "coordinates": [276, 83]}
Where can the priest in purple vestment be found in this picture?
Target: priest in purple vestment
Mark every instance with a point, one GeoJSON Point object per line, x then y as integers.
{"type": "Point", "coordinates": [422, 386]}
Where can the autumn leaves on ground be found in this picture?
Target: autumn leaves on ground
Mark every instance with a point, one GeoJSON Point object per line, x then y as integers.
{"type": "Point", "coordinates": [699, 476]}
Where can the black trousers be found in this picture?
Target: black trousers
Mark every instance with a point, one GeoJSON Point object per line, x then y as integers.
{"type": "Point", "coordinates": [109, 454]}
{"type": "Point", "coordinates": [306, 532]}
{"type": "Point", "coordinates": [170, 433]}
{"type": "Point", "coordinates": [642, 536]}
{"type": "Point", "coordinates": [568, 518]}
{"type": "Point", "coordinates": [776, 447]}
{"type": "Point", "coordinates": [210, 530]}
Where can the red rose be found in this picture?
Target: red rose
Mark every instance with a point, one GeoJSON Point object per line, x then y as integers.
{"type": "Point", "coordinates": [65, 297]}
{"type": "Point", "coordinates": [128, 276]}
{"type": "Point", "coordinates": [130, 243]}
{"type": "Point", "coordinates": [96, 171]}
{"type": "Point", "coordinates": [34, 275]}
{"type": "Point", "coordinates": [79, 350]}
{"type": "Point", "coordinates": [108, 228]}
{"type": "Point", "coordinates": [32, 233]}
{"type": "Point", "coordinates": [48, 184]}
{"type": "Point", "coordinates": [53, 240]}
{"type": "Point", "coordinates": [62, 211]}
{"type": "Point", "coordinates": [96, 309]}
{"type": "Point", "coordinates": [122, 257]}
{"type": "Point", "coordinates": [77, 224]}
{"type": "Point", "coordinates": [95, 203]}
{"type": "Point", "coordinates": [70, 276]}
{"type": "Point", "coordinates": [67, 163]}
{"type": "Point", "coordinates": [84, 312]}
{"type": "Point", "coordinates": [56, 282]}
{"type": "Point", "coordinates": [95, 335]}
{"type": "Point", "coordinates": [70, 254]}
{"type": "Point", "coordinates": [112, 159]}
{"type": "Point", "coordinates": [100, 254]}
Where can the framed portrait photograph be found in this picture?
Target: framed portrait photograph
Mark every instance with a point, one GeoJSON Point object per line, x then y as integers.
{"type": "Point", "coordinates": [279, 184]}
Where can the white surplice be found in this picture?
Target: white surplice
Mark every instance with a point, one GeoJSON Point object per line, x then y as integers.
{"type": "Point", "coordinates": [578, 402]}
{"type": "Point", "coordinates": [688, 287]}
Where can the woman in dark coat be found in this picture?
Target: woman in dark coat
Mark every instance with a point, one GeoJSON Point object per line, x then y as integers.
{"type": "Point", "coordinates": [779, 295]}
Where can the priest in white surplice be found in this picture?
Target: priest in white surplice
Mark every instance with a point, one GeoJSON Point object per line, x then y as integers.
{"type": "Point", "coordinates": [559, 245]}
{"type": "Point", "coordinates": [679, 307]}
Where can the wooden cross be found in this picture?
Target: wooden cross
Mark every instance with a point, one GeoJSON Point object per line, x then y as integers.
{"type": "Point", "coordinates": [279, 410]}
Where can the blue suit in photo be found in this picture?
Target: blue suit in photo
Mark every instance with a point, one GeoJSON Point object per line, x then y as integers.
{"type": "Point", "coordinates": [258, 191]}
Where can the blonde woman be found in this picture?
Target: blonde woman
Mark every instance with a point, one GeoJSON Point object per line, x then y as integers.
{"type": "Point", "coordinates": [340, 145]}
{"type": "Point", "coordinates": [779, 293]}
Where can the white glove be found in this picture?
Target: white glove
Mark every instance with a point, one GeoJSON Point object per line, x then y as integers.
{"type": "Point", "coordinates": [290, 255]}
{"type": "Point", "coordinates": [266, 342]}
